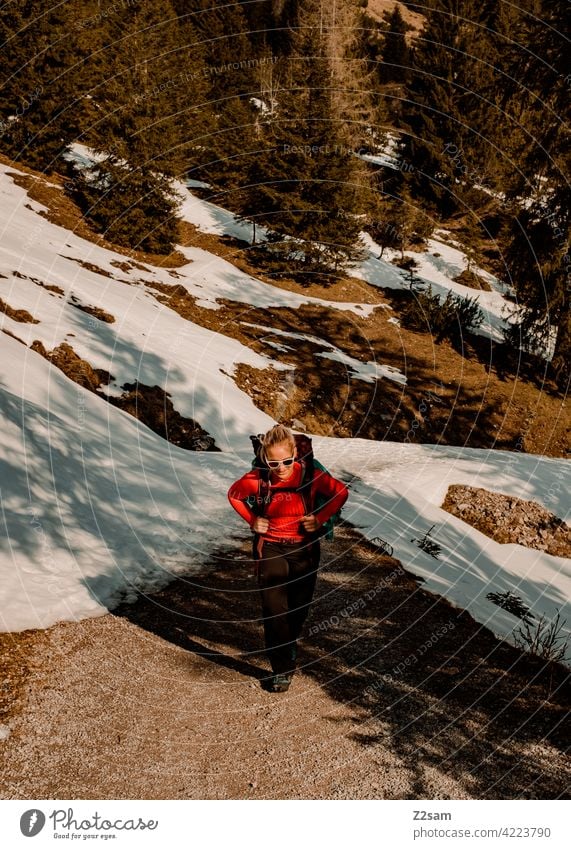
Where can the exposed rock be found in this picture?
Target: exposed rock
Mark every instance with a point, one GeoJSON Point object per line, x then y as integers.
{"type": "Point", "coordinates": [510, 520]}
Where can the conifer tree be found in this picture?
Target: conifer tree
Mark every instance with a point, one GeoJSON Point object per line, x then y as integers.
{"type": "Point", "coordinates": [230, 72]}
{"type": "Point", "coordinates": [445, 109]}
{"type": "Point", "coordinates": [538, 257]}
{"type": "Point", "coordinates": [306, 184]}
{"type": "Point", "coordinates": [12, 24]}
{"type": "Point", "coordinates": [270, 23]}
{"type": "Point", "coordinates": [350, 78]}
{"type": "Point", "coordinates": [148, 111]}
{"type": "Point", "coordinates": [44, 78]}
{"type": "Point", "coordinates": [395, 52]}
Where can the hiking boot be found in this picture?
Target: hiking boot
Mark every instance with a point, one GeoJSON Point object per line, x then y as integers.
{"type": "Point", "coordinates": [279, 683]}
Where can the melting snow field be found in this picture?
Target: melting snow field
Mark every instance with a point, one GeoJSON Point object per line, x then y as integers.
{"type": "Point", "coordinates": [437, 266]}
{"type": "Point", "coordinates": [95, 508]}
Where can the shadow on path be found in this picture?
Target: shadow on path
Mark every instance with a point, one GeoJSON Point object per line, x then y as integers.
{"type": "Point", "coordinates": [425, 680]}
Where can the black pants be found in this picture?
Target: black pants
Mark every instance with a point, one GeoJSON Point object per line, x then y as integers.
{"type": "Point", "coordinates": [286, 578]}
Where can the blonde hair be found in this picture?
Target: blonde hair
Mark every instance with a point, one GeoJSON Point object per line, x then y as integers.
{"type": "Point", "coordinates": [276, 436]}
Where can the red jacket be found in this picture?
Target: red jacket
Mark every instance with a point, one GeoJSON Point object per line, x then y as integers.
{"type": "Point", "coordinates": [286, 509]}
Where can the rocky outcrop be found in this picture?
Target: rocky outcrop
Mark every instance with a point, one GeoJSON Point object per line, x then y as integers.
{"type": "Point", "coordinates": [510, 520]}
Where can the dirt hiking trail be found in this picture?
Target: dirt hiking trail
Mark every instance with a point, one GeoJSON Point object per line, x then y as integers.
{"type": "Point", "coordinates": [398, 695]}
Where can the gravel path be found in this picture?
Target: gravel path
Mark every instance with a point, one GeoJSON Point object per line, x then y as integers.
{"type": "Point", "coordinates": [399, 696]}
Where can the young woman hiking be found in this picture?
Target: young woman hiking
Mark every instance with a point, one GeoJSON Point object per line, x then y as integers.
{"type": "Point", "coordinates": [286, 545]}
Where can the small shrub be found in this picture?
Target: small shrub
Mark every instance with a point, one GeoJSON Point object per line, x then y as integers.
{"type": "Point", "coordinates": [513, 604]}
{"type": "Point", "coordinates": [469, 315]}
{"type": "Point", "coordinates": [544, 639]}
{"type": "Point", "coordinates": [447, 319]}
{"type": "Point", "coordinates": [427, 544]}
{"type": "Point", "coordinates": [382, 546]}
{"type": "Point", "coordinates": [525, 334]}
{"type": "Point", "coordinates": [409, 264]}
{"type": "Point", "coordinates": [473, 280]}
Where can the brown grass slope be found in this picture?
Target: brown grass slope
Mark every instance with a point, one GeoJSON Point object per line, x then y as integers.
{"type": "Point", "coordinates": [477, 394]}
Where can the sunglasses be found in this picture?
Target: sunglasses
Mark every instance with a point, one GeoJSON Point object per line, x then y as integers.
{"type": "Point", "coordinates": [273, 464]}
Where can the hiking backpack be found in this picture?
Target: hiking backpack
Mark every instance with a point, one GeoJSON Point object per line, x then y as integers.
{"type": "Point", "coordinates": [304, 451]}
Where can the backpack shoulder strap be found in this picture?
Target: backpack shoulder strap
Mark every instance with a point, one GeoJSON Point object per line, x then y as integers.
{"type": "Point", "coordinates": [258, 502]}
{"type": "Point", "coordinates": [264, 492]}
{"type": "Point", "coordinates": [304, 448]}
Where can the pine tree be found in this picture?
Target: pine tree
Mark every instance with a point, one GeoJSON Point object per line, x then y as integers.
{"type": "Point", "coordinates": [270, 23]}
{"type": "Point", "coordinates": [538, 257]}
{"type": "Point", "coordinates": [12, 24]}
{"type": "Point", "coordinates": [231, 77]}
{"type": "Point", "coordinates": [395, 51]}
{"type": "Point", "coordinates": [44, 78]}
{"type": "Point", "coordinates": [149, 105]}
{"type": "Point", "coordinates": [446, 107]}
{"type": "Point", "coordinates": [538, 265]}
{"type": "Point", "coordinates": [146, 116]}
{"type": "Point", "coordinates": [306, 184]}
{"type": "Point", "coordinates": [134, 207]}
{"type": "Point", "coordinates": [350, 77]}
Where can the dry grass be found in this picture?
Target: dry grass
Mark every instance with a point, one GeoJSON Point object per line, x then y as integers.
{"type": "Point", "coordinates": [475, 396]}
{"type": "Point", "coordinates": [73, 366]}
{"type": "Point", "coordinates": [96, 312]}
{"type": "Point", "coordinates": [507, 519]}
{"type": "Point", "coordinates": [22, 316]}
{"type": "Point", "coordinates": [377, 8]}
